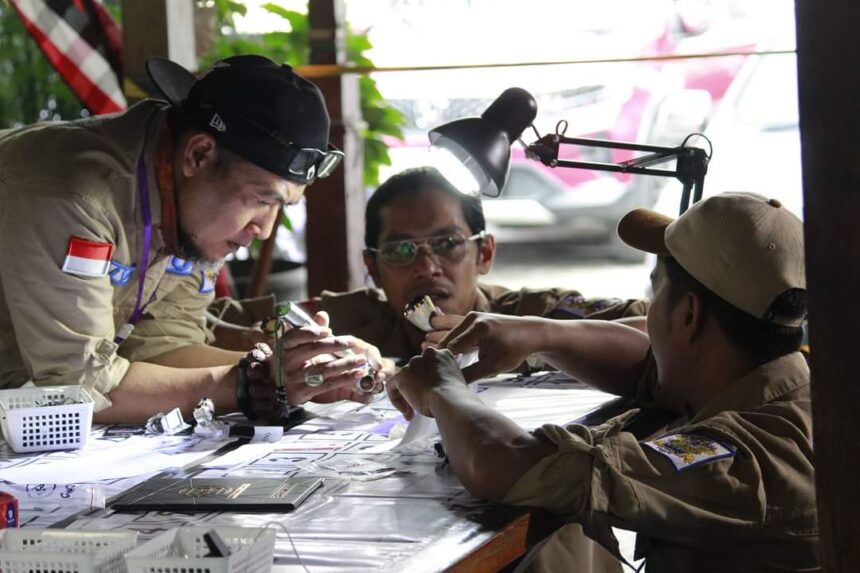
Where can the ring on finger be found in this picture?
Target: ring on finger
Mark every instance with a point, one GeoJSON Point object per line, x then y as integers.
{"type": "Point", "coordinates": [314, 378]}
{"type": "Point", "coordinates": [367, 383]}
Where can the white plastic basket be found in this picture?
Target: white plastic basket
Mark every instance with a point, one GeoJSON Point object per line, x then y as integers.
{"type": "Point", "coordinates": [36, 420]}
{"type": "Point", "coordinates": [182, 550]}
{"type": "Point", "coordinates": [60, 551]}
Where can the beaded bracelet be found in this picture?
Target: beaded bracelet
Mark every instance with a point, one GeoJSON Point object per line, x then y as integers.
{"type": "Point", "coordinates": [243, 397]}
{"type": "Point", "coordinates": [255, 359]}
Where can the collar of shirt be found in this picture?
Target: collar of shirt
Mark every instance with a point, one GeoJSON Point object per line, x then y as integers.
{"type": "Point", "coordinates": [765, 384]}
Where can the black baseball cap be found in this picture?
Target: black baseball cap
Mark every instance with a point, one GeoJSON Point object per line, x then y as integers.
{"type": "Point", "coordinates": [262, 111]}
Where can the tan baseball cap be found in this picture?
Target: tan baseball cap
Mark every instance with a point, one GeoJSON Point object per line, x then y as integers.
{"type": "Point", "coordinates": [747, 249]}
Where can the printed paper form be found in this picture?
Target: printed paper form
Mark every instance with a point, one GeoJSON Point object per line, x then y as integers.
{"type": "Point", "coordinates": [106, 459]}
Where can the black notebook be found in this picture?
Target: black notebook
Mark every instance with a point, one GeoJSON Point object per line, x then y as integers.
{"type": "Point", "coordinates": [217, 494]}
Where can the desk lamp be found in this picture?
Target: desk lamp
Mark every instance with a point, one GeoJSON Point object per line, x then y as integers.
{"type": "Point", "coordinates": [482, 145]}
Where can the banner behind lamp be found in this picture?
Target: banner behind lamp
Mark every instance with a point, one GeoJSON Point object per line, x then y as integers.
{"type": "Point", "coordinates": [483, 146]}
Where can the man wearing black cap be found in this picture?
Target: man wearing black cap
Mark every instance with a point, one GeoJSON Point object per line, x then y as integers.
{"type": "Point", "coordinates": [729, 484]}
{"type": "Point", "coordinates": [112, 229]}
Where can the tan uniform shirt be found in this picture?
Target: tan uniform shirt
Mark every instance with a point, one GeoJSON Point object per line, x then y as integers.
{"type": "Point", "coordinates": [730, 490]}
{"type": "Point", "coordinates": [366, 314]}
{"type": "Point", "coordinates": [79, 179]}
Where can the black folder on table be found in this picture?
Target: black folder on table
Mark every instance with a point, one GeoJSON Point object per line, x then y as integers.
{"type": "Point", "coordinates": [217, 494]}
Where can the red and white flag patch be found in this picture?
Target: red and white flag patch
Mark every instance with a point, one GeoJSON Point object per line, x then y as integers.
{"type": "Point", "coordinates": [87, 258]}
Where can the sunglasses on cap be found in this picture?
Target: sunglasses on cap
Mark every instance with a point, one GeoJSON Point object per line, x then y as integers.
{"type": "Point", "coordinates": [305, 163]}
{"type": "Point", "coordinates": [309, 163]}
{"type": "Point", "coordinates": [451, 247]}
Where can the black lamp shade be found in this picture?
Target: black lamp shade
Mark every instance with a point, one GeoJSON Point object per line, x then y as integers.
{"type": "Point", "coordinates": [483, 144]}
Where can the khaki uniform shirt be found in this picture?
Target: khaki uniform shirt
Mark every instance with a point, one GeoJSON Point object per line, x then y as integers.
{"type": "Point", "coordinates": [79, 179]}
{"type": "Point", "coordinates": [366, 314]}
{"type": "Point", "coordinates": [732, 489]}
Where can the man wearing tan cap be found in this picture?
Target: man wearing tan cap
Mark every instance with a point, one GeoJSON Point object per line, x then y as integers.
{"type": "Point", "coordinates": [726, 486]}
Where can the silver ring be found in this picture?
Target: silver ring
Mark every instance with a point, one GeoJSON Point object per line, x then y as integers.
{"type": "Point", "coordinates": [314, 378]}
{"type": "Point", "coordinates": [367, 383]}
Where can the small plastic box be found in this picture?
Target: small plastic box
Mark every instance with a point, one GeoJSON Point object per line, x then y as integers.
{"type": "Point", "coordinates": [29, 550]}
{"type": "Point", "coordinates": [38, 419]}
{"type": "Point", "coordinates": [184, 550]}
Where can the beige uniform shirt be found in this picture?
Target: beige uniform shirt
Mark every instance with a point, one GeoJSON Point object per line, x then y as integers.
{"type": "Point", "coordinates": [730, 490]}
{"type": "Point", "coordinates": [366, 314]}
{"type": "Point", "coordinates": [79, 179]}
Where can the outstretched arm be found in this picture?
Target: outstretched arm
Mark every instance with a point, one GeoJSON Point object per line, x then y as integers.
{"type": "Point", "coordinates": [606, 355]}
{"type": "Point", "coordinates": [488, 451]}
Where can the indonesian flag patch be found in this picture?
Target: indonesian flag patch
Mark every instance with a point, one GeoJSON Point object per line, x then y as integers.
{"type": "Point", "coordinates": [87, 258]}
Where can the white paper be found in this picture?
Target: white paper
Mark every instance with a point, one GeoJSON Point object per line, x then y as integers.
{"type": "Point", "coordinates": [423, 431]}
{"type": "Point", "coordinates": [533, 407]}
{"type": "Point", "coordinates": [267, 434]}
{"type": "Point", "coordinates": [43, 505]}
{"type": "Point", "coordinates": [112, 460]}
{"type": "Point", "coordinates": [241, 455]}
{"type": "Point", "coordinates": [420, 431]}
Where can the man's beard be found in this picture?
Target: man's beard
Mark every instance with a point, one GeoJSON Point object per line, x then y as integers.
{"type": "Point", "coordinates": [189, 250]}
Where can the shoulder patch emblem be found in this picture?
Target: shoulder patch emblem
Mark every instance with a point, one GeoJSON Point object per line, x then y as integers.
{"type": "Point", "coordinates": [572, 304]}
{"type": "Point", "coordinates": [178, 266]}
{"type": "Point", "coordinates": [87, 258]}
{"type": "Point", "coordinates": [689, 450]}
{"type": "Point", "coordinates": [207, 279]}
{"type": "Point", "coordinates": [120, 274]}
{"type": "Point", "coordinates": [580, 307]}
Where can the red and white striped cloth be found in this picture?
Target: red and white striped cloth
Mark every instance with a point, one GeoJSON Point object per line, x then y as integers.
{"type": "Point", "coordinates": [82, 42]}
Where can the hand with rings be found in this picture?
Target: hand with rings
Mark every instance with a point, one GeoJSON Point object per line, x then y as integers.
{"type": "Point", "coordinates": [368, 382]}
{"type": "Point", "coordinates": [318, 367]}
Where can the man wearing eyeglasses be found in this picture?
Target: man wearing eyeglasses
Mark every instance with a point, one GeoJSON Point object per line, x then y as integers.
{"type": "Point", "coordinates": [113, 228]}
{"type": "Point", "coordinates": [424, 237]}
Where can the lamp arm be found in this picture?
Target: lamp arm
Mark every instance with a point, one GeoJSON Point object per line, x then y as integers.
{"type": "Point", "coordinates": [690, 168]}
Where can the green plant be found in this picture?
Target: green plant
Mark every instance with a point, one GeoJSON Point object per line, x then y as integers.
{"type": "Point", "coordinates": [30, 89]}
{"type": "Point", "coordinates": [292, 47]}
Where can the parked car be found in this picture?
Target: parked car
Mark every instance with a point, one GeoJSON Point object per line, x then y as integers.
{"type": "Point", "coordinates": [755, 135]}
{"type": "Point", "coordinates": [656, 103]}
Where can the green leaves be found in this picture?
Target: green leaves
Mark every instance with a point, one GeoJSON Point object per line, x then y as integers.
{"type": "Point", "coordinates": [297, 20]}
{"type": "Point", "coordinates": [30, 89]}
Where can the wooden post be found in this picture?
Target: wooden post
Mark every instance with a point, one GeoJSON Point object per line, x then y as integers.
{"type": "Point", "coordinates": [335, 224]}
{"type": "Point", "coordinates": [829, 89]}
{"type": "Point", "coordinates": [162, 28]}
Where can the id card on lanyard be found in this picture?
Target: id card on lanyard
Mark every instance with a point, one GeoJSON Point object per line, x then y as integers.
{"type": "Point", "coordinates": [143, 187]}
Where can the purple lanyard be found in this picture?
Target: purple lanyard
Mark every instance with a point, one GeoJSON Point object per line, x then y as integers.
{"type": "Point", "coordinates": [143, 187]}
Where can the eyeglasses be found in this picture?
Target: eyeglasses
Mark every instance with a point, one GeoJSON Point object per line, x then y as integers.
{"type": "Point", "coordinates": [308, 163]}
{"type": "Point", "coordinates": [451, 247]}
